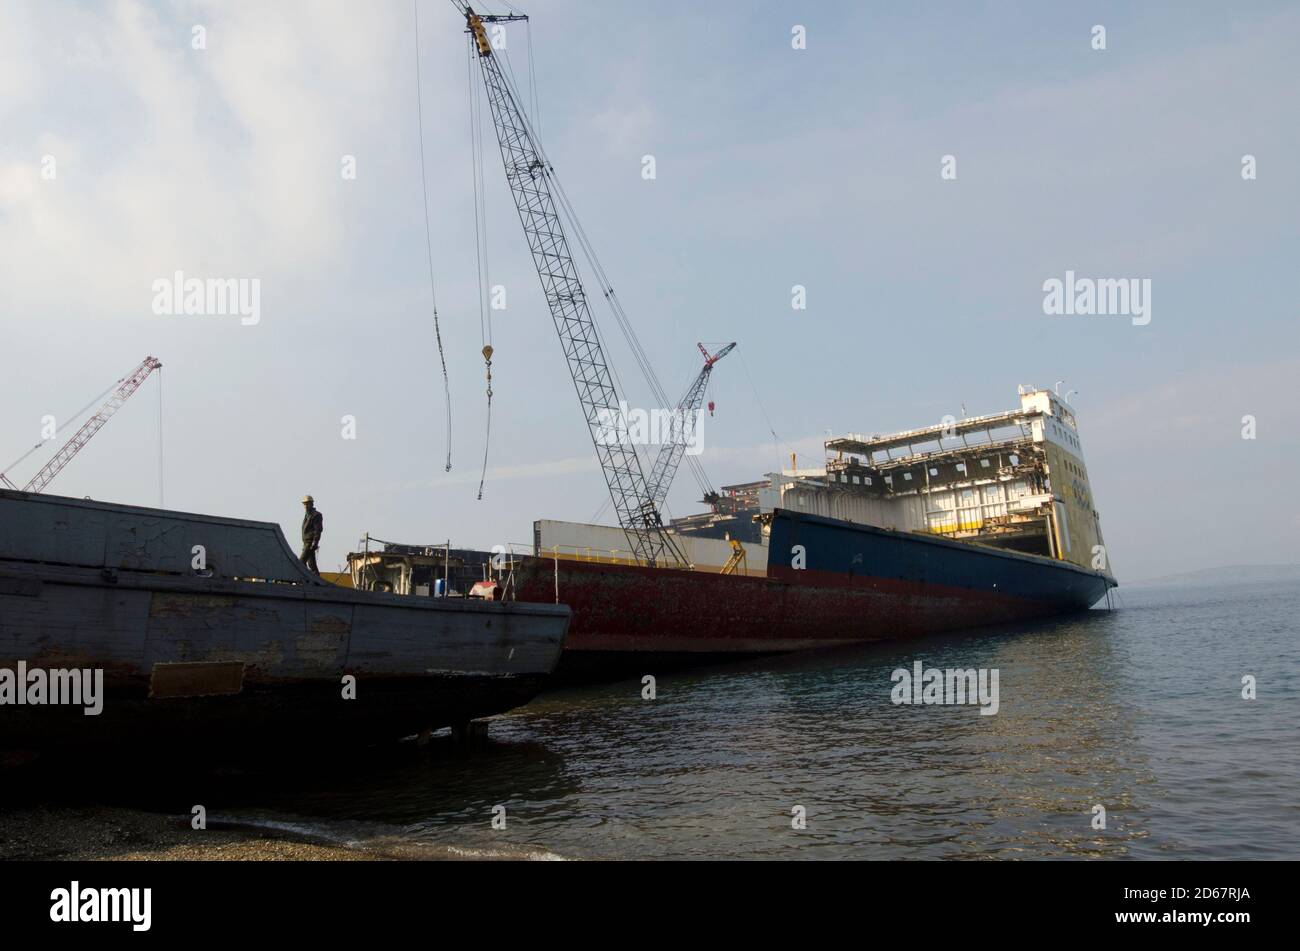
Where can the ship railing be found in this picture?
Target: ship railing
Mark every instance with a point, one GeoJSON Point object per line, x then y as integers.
{"type": "Point", "coordinates": [588, 553]}
{"type": "Point", "coordinates": [1005, 437]}
{"type": "Point", "coordinates": [505, 558]}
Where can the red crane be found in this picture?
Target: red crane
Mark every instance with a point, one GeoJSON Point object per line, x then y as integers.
{"type": "Point", "coordinates": [683, 430]}
{"type": "Point", "coordinates": [121, 393]}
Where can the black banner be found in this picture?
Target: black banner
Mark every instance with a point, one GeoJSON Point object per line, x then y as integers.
{"type": "Point", "coordinates": [328, 900]}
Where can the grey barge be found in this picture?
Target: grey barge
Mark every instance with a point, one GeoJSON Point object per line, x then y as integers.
{"type": "Point", "coordinates": [210, 630]}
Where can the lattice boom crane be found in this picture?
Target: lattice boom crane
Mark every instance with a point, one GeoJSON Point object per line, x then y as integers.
{"type": "Point", "coordinates": [125, 387]}
{"type": "Point", "coordinates": [682, 430]}
{"type": "Point", "coordinates": [531, 180]}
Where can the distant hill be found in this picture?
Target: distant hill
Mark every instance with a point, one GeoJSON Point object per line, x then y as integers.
{"type": "Point", "coordinates": [1229, 574]}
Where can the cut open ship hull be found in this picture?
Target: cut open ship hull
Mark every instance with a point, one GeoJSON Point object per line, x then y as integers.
{"type": "Point", "coordinates": [857, 583]}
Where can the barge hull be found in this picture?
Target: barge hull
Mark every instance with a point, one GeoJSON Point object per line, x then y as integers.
{"type": "Point", "coordinates": [245, 646]}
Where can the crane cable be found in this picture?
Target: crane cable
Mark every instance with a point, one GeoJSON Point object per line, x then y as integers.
{"type": "Point", "coordinates": [693, 463]}
{"type": "Point", "coordinates": [160, 439]}
{"type": "Point", "coordinates": [428, 236]}
{"type": "Point", "coordinates": [71, 419]}
{"type": "Point", "coordinates": [702, 480]}
{"type": "Point", "coordinates": [758, 400]}
{"type": "Point", "coordinates": [568, 213]}
{"type": "Point", "coordinates": [480, 228]}
{"type": "Point", "coordinates": [532, 78]}
{"type": "Point", "coordinates": [566, 210]}
{"type": "Point", "coordinates": [480, 247]}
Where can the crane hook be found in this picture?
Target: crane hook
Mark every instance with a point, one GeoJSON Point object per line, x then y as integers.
{"type": "Point", "coordinates": [487, 359]}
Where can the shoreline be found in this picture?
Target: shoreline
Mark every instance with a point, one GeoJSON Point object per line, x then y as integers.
{"type": "Point", "coordinates": [112, 833]}
{"type": "Point", "coordinates": [118, 834]}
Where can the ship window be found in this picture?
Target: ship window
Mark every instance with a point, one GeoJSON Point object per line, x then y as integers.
{"type": "Point", "coordinates": [961, 467]}
{"type": "Point", "coordinates": [1015, 460]}
{"type": "Point", "coordinates": [984, 463]}
{"type": "Point", "coordinates": [907, 477]}
{"type": "Point", "coordinates": [934, 472]}
{"type": "Point", "coordinates": [867, 479]}
{"type": "Point", "coordinates": [889, 480]}
{"type": "Point", "coordinates": [856, 480]}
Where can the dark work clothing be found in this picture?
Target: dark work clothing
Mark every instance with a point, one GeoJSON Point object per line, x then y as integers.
{"type": "Point", "coordinates": [313, 524]}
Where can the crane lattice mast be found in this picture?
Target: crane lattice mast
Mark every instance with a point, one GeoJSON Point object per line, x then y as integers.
{"type": "Point", "coordinates": [125, 387]}
{"type": "Point", "coordinates": [682, 430]}
{"type": "Point", "coordinates": [530, 178]}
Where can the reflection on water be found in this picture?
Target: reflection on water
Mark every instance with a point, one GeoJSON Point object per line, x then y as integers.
{"type": "Point", "coordinates": [1138, 710]}
{"type": "Point", "coordinates": [716, 763]}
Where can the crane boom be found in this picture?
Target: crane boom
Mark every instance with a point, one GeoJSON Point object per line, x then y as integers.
{"type": "Point", "coordinates": [530, 178]}
{"type": "Point", "coordinates": [126, 386]}
{"type": "Point", "coordinates": [682, 429]}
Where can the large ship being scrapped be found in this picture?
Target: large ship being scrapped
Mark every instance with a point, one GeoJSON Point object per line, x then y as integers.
{"type": "Point", "coordinates": [921, 531]}
{"type": "Point", "coordinates": [978, 521]}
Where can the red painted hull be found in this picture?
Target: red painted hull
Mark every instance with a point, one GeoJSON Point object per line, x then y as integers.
{"type": "Point", "coordinates": [829, 583]}
{"type": "Point", "coordinates": [618, 608]}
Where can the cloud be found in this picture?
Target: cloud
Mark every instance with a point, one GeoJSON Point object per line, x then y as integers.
{"type": "Point", "coordinates": [627, 130]}
{"type": "Point", "coordinates": [225, 162]}
{"type": "Point", "coordinates": [524, 471]}
{"type": "Point", "coordinates": [217, 161]}
{"type": "Point", "coordinates": [1206, 403]}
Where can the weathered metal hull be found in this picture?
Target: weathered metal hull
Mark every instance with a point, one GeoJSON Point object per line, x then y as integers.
{"type": "Point", "coordinates": [207, 654]}
{"type": "Point", "coordinates": [855, 584]}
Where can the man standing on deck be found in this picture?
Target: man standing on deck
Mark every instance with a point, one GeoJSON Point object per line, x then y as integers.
{"type": "Point", "coordinates": [313, 523]}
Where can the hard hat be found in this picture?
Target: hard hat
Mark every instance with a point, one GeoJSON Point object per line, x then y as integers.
{"type": "Point", "coordinates": [308, 498]}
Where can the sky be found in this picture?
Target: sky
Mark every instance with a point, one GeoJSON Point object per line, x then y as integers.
{"type": "Point", "coordinates": [822, 167]}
